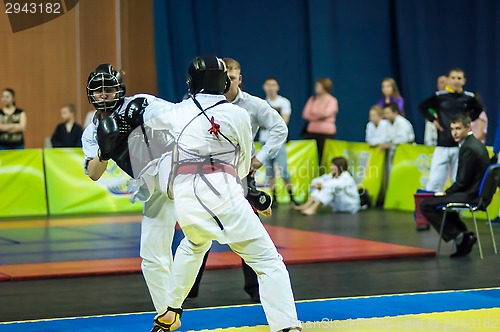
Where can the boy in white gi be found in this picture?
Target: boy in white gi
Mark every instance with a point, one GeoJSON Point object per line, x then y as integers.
{"type": "Point", "coordinates": [107, 138]}
{"type": "Point", "coordinates": [378, 129]}
{"type": "Point", "coordinates": [401, 129]}
{"type": "Point", "coordinates": [211, 156]}
{"type": "Point", "coordinates": [337, 189]}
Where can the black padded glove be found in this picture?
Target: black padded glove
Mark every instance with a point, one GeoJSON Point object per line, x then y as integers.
{"type": "Point", "coordinates": [107, 135]}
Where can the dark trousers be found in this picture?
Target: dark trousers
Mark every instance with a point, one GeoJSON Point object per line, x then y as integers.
{"type": "Point", "coordinates": [453, 225]}
{"type": "Point", "coordinates": [320, 141]}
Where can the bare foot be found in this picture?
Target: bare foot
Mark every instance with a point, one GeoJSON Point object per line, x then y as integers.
{"type": "Point", "coordinates": [170, 318]}
{"type": "Point", "coordinates": [309, 212]}
{"type": "Point", "coordinates": [299, 207]}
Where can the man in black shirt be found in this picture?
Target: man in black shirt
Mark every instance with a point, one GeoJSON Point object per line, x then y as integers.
{"type": "Point", "coordinates": [446, 104]}
{"type": "Point", "coordinates": [69, 133]}
{"type": "Point", "coordinates": [473, 161]}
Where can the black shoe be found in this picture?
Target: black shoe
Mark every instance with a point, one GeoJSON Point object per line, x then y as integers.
{"type": "Point", "coordinates": [464, 248]}
{"type": "Point", "coordinates": [255, 297]}
{"type": "Point", "coordinates": [192, 295]}
{"type": "Point", "coordinates": [157, 329]}
{"type": "Point", "coordinates": [423, 228]}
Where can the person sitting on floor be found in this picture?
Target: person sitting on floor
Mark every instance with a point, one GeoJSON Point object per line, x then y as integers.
{"type": "Point", "coordinates": [473, 161]}
{"type": "Point", "coordinates": [337, 189]}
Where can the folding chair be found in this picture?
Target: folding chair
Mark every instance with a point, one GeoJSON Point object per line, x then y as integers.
{"type": "Point", "coordinates": [489, 185]}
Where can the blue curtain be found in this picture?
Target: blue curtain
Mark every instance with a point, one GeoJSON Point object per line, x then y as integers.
{"type": "Point", "coordinates": [356, 43]}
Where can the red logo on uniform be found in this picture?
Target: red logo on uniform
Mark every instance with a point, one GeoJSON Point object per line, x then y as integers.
{"type": "Point", "coordinates": [215, 127]}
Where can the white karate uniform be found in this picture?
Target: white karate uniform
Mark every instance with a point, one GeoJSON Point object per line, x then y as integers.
{"type": "Point", "coordinates": [243, 231]}
{"type": "Point", "coordinates": [158, 216]}
{"type": "Point", "coordinates": [340, 193]}
{"type": "Point", "coordinates": [380, 134]}
{"type": "Point", "coordinates": [402, 131]}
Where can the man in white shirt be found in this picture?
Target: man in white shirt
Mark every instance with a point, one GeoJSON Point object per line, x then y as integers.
{"type": "Point", "coordinates": [378, 129]}
{"type": "Point", "coordinates": [261, 115]}
{"type": "Point", "coordinates": [401, 129]}
{"type": "Point", "coordinates": [284, 108]}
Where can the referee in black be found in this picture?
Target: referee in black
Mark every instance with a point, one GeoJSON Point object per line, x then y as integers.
{"type": "Point", "coordinates": [439, 109]}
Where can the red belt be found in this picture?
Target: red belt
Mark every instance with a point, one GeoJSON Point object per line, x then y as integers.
{"type": "Point", "coordinates": [195, 168]}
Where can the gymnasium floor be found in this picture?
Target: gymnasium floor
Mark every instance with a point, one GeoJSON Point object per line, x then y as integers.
{"type": "Point", "coordinates": [101, 295]}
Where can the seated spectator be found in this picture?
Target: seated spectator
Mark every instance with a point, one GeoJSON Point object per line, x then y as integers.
{"type": "Point", "coordinates": [390, 94]}
{"type": "Point", "coordinates": [378, 129]}
{"type": "Point", "coordinates": [68, 134]}
{"type": "Point", "coordinates": [401, 129]}
{"type": "Point", "coordinates": [12, 122]}
{"type": "Point", "coordinates": [320, 112]}
{"type": "Point", "coordinates": [337, 189]}
{"type": "Point", "coordinates": [473, 161]}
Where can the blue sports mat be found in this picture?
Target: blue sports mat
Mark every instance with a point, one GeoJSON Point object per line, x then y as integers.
{"type": "Point", "coordinates": [250, 315]}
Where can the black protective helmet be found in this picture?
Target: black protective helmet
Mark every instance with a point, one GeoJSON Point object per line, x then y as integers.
{"type": "Point", "coordinates": [105, 76]}
{"type": "Point", "coordinates": [208, 74]}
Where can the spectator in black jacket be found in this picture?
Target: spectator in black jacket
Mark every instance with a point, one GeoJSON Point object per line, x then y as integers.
{"type": "Point", "coordinates": [439, 109]}
{"type": "Point", "coordinates": [473, 161]}
{"type": "Point", "coordinates": [68, 134]}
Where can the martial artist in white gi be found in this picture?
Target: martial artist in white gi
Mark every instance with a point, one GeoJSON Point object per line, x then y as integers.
{"type": "Point", "coordinates": [337, 189]}
{"type": "Point", "coordinates": [211, 157]}
{"type": "Point", "coordinates": [106, 138]}
{"type": "Point", "coordinates": [262, 115]}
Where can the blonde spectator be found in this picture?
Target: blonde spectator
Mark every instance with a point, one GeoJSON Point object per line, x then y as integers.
{"type": "Point", "coordinates": [321, 111]}
{"type": "Point", "coordinates": [378, 129]}
{"type": "Point", "coordinates": [391, 94]}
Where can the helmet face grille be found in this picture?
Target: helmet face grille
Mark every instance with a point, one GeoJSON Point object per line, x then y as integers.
{"type": "Point", "coordinates": [99, 83]}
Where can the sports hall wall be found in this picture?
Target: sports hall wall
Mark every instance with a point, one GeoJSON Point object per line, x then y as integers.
{"type": "Point", "coordinates": [357, 43]}
{"type": "Point", "coordinates": [47, 65]}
